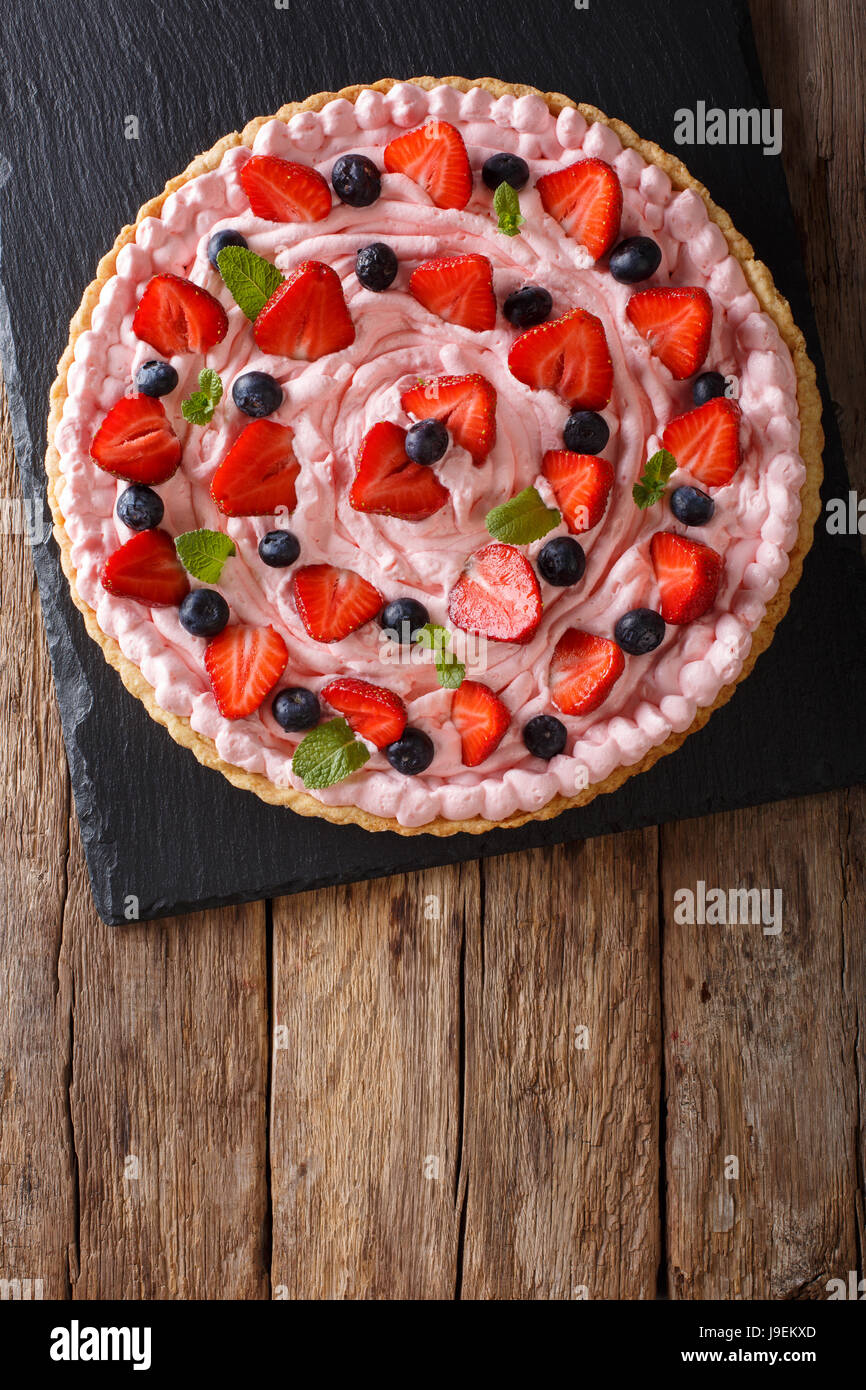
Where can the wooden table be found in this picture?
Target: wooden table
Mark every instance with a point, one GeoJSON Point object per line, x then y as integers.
{"type": "Point", "coordinates": [515, 1079]}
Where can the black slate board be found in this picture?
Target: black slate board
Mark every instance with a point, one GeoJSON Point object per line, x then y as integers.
{"type": "Point", "coordinates": [157, 826]}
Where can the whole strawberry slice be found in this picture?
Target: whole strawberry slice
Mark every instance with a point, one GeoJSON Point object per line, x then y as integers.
{"type": "Point", "coordinates": [433, 156]}
{"type": "Point", "coordinates": [706, 441]}
{"type": "Point", "coordinates": [333, 602]}
{"type": "Point", "coordinates": [306, 317]}
{"type": "Point", "coordinates": [388, 483]}
{"type": "Point", "coordinates": [371, 710]}
{"type": "Point", "coordinates": [146, 568]}
{"type": "Point", "coordinates": [583, 670]}
{"type": "Point", "coordinates": [243, 664]}
{"type": "Point", "coordinates": [688, 575]}
{"type": "Point", "coordinates": [582, 484]}
{"type": "Point", "coordinates": [586, 198]}
{"type": "Point", "coordinates": [176, 316]}
{"type": "Point", "coordinates": [457, 288]}
{"type": "Point", "coordinates": [466, 404]}
{"type": "Point", "coordinates": [481, 719]}
{"type": "Point", "coordinates": [135, 442]}
{"type": "Point", "coordinates": [259, 472]}
{"type": "Point", "coordinates": [676, 323]}
{"type": "Point", "coordinates": [497, 595]}
{"type": "Point", "coordinates": [283, 191]}
{"type": "Point", "coordinates": [568, 355]}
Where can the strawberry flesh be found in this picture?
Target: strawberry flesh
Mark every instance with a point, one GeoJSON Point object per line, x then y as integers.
{"type": "Point", "coordinates": [568, 355]}
{"type": "Point", "coordinates": [135, 442]}
{"type": "Point", "coordinates": [706, 441]}
{"type": "Point", "coordinates": [433, 156]}
{"type": "Point", "coordinates": [176, 316]}
{"type": "Point", "coordinates": [459, 289]}
{"type": "Point", "coordinates": [582, 485]}
{"type": "Point", "coordinates": [481, 720]}
{"type": "Point", "coordinates": [497, 595]}
{"type": "Point", "coordinates": [372, 711]}
{"type": "Point", "coordinates": [583, 670]}
{"type": "Point", "coordinates": [465, 404]}
{"type": "Point", "coordinates": [243, 664]}
{"type": "Point", "coordinates": [282, 191]}
{"type": "Point", "coordinates": [146, 568]}
{"type": "Point", "coordinates": [586, 198]}
{"type": "Point", "coordinates": [676, 323]}
{"type": "Point", "coordinates": [259, 472]}
{"type": "Point", "coordinates": [333, 602]}
{"type": "Point", "coordinates": [306, 317]}
{"type": "Point", "coordinates": [388, 483]}
{"type": "Point", "coordinates": [688, 574]}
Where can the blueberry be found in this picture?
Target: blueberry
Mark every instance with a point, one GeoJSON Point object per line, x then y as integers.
{"type": "Point", "coordinates": [279, 548]}
{"type": "Point", "coordinates": [402, 618]}
{"type": "Point", "coordinates": [561, 561]}
{"type": "Point", "coordinates": [140, 508]}
{"type": "Point", "coordinates": [707, 386]}
{"type": "Point", "coordinates": [156, 378]}
{"type": "Point", "coordinates": [636, 258]}
{"type": "Point", "coordinates": [427, 441]}
{"type": "Point", "coordinates": [257, 394]}
{"type": "Point", "coordinates": [356, 180]}
{"type": "Point", "coordinates": [505, 168]}
{"type": "Point", "coordinates": [585, 432]}
{"type": "Point", "coordinates": [528, 306]}
{"type": "Point", "coordinates": [691, 506]}
{"type": "Point", "coordinates": [296, 708]}
{"type": "Point", "coordinates": [227, 237]}
{"type": "Point", "coordinates": [411, 753]}
{"type": "Point", "coordinates": [376, 266]}
{"type": "Point", "coordinates": [639, 631]}
{"type": "Point", "coordinates": [204, 613]}
{"type": "Point", "coordinates": [545, 736]}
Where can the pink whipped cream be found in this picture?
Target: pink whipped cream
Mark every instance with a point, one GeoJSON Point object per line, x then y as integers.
{"type": "Point", "coordinates": [331, 403]}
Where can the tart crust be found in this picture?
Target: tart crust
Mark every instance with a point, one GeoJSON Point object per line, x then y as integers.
{"type": "Point", "coordinates": [760, 282]}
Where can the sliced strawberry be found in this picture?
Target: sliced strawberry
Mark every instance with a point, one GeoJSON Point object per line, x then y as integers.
{"type": "Point", "coordinates": [676, 323]}
{"type": "Point", "coordinates": [135, 442]}
{"type": "Point", "coordinates": [586, 198]}
{"type": "Point", "coordinates": [388, 483]}
{"type": "Point", "coordinates": [175, 316]}
{"type": "Point", "coordinates": [497, 595]}
{"type": "Point", "coordinates": [433, 156]}
{"type": "Point", "coordinates": [457, 288]}
{"type": "Point", "coordinates": [243, 664]}
{"type": "Point", "coordinates": [371, 710]}
{"type": "Point", "coordinates": [583, 670]}
{"type": "Point", "coordinates": [306, 317]}
{"type": "Point", "coordinates": [582, 484]}
{"type": "Point", "coordinates": [259, 472]}
{"type": "Point", "coordinates": [688, 574]}
{"type": "Point", "coordinates": [146, 568]}
{"type": "Point", "coordinates": [332, 602]}
{"type": "Point", "coordinates": [706, 441]}
{"type": "Point", "coordinates": [283, 191]}
{"type": "Point", "coordinates": [568, 355]}
{"type": "Point", "coordinates": [481, 719]}
{"type": "Point", "coordinates": [466, 404]}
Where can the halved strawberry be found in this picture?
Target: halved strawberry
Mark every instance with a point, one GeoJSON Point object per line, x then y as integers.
{"type": "Point", "coordinates": [676, 323]}
{"type": "Point", "coordinates": [306, 317]}
{"type": "Point", "coordinates": [135, 442]}
{"type": "Point", "coordinates": [497, 595]}
{"type": "Point", "coordinates": [582, 484]}
{"type": "Point", "coordinates": [332, 602]}
{"type": "Point", "coordinates": [433, 156]}
{"type": "Point", "coordinates": [706, 441]}
{"type": "Point", "coordinates": [146, 568]}
{"type": "Point", "coordinates": [586, 198]}
{"type": "Point", "coordinates": [243, 664]}
{"type": "Point", "coordinates": [466, 404]}
{"type": "Point", "coordinates": [583, 670]}
{"type": "Point", "coordinates": [568, 355]}
{"type": "Point", "coordinates": [174, 316]}
{"type": "Point", "coordinates": [371, 710]}
{"type": "Point", "coordinates": [259, 472]}
{"type": "Point", "coordinates": [388, 483]}
{"type": "Point", "coordinates": [457, 288]}
{"type": "Point", "coordinates": [688, 575]}
{"type": "Point", "coordinates": [481, 719]}
{"type": "Point", "coordinates": [283, 191]}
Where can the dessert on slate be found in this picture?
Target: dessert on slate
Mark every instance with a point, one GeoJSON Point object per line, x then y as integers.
{"type": "Point", "coordinates": [433, 455]}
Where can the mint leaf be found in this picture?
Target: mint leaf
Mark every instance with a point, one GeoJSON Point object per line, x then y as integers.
{"type": "Point", "coordinates": [199, 407]}
{"type": "Point", "coordinates": [211, 384]}
{"type": "Point", "coordinates": [449, 670]}
{"type": "Point", "coordinates": [251, 280]}
{"type": "Point", "coordinates": [654, 479]}
{"type": "Point", "coordinates": [327, 754]}
{"type": "Point", "coordinates": [522, 519]}
{"type": "Point", "coordinates": [506, 205]}
{"type": "Point", "coordinates": [204, 553]}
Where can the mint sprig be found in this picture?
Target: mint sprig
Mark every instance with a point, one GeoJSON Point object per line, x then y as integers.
{"type": "Point", "coordinates": [204, 553]}
{"type": "Point", "coordinates": [449, 670]}
{"type": "Point", "coordinates": [506, 205]}
{"type": "Point", "coordinates": [328, 754]}
{"type": "Point", "coordinates": [522, 519]}
{"type": "Point", "coordinates": [654, 479]}
{"type": "Point", "coordinates": [251, 280]}
{"type": "Point", "coordinates": [198, 408]}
